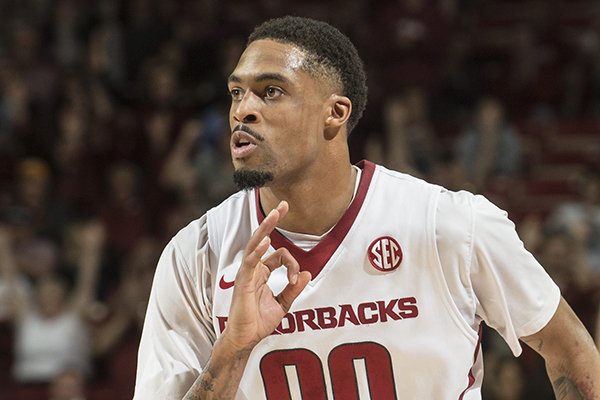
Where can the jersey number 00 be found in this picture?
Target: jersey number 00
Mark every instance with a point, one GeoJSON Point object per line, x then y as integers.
{"type": "Point", "coordinates": [343, 375]}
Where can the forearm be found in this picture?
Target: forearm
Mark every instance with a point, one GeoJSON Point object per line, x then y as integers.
{"type": "Point", "coordinates": [17, 301]}
{"type": "Point", "coordinates": [109, 333]}
{"type": "Point", "coordinates": [221, 376]}
{"type": "Point", "coordinates": [572, 359]}
{"type": "Point", "coordinates": [91, 237]}
{"type": "Point", "coordinates": [597, 336]}
{"type": "Point", "coordinates": [87, 276]}
{"type": "Point", "coordinates": [577, 377]}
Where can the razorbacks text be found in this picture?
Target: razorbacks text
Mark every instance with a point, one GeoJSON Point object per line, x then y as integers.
{"type": "Point", "coordinates": [342, 315]}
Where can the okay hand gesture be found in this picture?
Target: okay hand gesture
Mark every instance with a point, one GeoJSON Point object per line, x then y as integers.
{"type": "Point", "coordinates": [255, 311]}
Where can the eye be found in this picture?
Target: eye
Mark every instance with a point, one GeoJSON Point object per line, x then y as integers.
{"type": "Point", "coordinates": [236, 94]}
{"type": "Point", "coordinates": [272, 92]}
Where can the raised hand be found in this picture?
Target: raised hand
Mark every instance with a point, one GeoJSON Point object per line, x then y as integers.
{"type": "Point", "coordinates": [92, 235]}
{"type": "Point", "coordinates": [255, 311]}
{"type": "Point", "coordinates": [5, 241]}
{"type": "Point", "coordinates": [254, 314]}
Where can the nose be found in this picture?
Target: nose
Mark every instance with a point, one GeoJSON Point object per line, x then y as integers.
{"type": "Point", "coordinates": [246, 110]}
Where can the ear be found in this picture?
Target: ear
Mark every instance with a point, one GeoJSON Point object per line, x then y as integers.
{"type": "Point", "coordinates": [337, 113]}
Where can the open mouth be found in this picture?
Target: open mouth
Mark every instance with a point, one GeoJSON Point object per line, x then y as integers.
{"type": "Point", "coordinates": [242, 144]}
{"type": "Point", "coordinates": [242, 139]}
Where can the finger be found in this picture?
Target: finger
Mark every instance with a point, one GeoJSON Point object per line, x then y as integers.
{"type": "Point", "coordinates": [266, 226]}
{"type": "Point", "coordinates": [283, 208]}
{"type": "Point", "coordinates": [263, 230]}
{"type": "Point", "coordinates": [252, 259]}
{"type": "Point", "coordinates": [282, 256]}
{"type": "Point", "coordinates": [292, 291]}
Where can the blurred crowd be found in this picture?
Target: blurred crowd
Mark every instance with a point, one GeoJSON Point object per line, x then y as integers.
{"type": "Point", "coordinates": [114, 135]}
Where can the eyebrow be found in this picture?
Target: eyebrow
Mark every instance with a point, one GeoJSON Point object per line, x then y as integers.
{"type": "Point", "coordinates": [267, 76]}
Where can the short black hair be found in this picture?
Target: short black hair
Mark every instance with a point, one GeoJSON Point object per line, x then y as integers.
{"type": "Point", "coordinates": [332, 50]}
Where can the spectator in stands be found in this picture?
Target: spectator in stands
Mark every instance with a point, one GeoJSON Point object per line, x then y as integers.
{"type": "Point", "coordinates": [68, 20]}
{"type": "Point", "coordinates": [75, 178]}
{"type": "Point", "coordinates": [105, 47]}
{"type": "Point", "coordinates": [12, 282]}
{"type": "Point", "coordinates": [564, 257]}
{"type": "Point", "coordinates": [123, 212]}
{"type": "Point", "coordinates": [50, 332]}
{"type": "Point", "coordinates": [409, 133]}
{"type": "Point", "coordinates": [490, 147]}
{"type": "Point", "coordinates": [459, 83]}
{"type": "Point", "coordinates": [33, 192]}
{"type": "Point", "coordinates": [449, 172]}
{"type": "Point", "coordinates": [116, 339]}
{"type": "Point", "coordinates": [532, 66]}
{"type": "Point", "coordinates": [178, 172]}
{"type": "Point", "coordinates": [15, 110]}
{"type": "Point", "coordinates": [407, 41]}
{"type": "Point", "coordinates": [212, 161]}
{"type": "Point", "coordinates": [581, 217]}
{"type": "Point", "coordinates": [88, 87]}
{"type": "Point", "coordinates": [509, 380]}
{"type": "Point", "coordinates": [68, 384]}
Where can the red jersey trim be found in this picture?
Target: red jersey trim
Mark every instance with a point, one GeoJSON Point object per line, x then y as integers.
{"type": "Point", "coordinates": [471, 377]}
{"type": "Point", "coordinates": [315, 259]}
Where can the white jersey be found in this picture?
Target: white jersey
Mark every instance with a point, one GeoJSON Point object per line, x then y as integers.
{"type": "Point", "coordinates": [400, 286]}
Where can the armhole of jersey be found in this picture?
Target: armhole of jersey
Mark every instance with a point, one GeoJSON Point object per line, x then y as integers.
{"type": "Point", "coordinates": [207, 290]}
{"type": "Point", "coordinates": [214, 234]}
{"type": "Point", "coordinates": [451, 306]}
{"type": "Point", "coordinates": [216, 230]}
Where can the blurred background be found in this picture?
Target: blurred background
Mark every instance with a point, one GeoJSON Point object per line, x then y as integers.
{"type": "Point", "coordinates": [114, 135]}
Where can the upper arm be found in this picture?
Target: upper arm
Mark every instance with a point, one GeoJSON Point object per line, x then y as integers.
{"type": "Point", "coordinates": [511, 291]}
{"type": "Point", "coordinates": [177, 337]}
{"type": "Point", "coordinates": [563, 337]}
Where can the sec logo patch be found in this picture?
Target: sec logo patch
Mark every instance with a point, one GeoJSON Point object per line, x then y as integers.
{"type": "Point", "coordinates": [385, 254]}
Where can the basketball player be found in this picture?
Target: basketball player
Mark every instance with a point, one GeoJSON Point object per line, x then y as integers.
{"type": "Point", "coordinates": [323, 280]}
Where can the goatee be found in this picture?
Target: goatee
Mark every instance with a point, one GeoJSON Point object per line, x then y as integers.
{"type": "Point", "coordinates": [246, 179]}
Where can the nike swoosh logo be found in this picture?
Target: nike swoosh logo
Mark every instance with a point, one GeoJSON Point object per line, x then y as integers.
{"type": "Point", "coordinates": [223, 284]}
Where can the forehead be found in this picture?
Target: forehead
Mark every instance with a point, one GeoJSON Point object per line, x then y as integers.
{"type": "Point", "coordinates": [269, 57]}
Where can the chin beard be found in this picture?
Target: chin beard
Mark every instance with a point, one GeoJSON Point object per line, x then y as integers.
{"type": "Point", "coordinates": [246, 179]}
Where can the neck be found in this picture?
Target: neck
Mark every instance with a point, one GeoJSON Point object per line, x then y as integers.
{"type": "Point", "coordinates": [316, 203]}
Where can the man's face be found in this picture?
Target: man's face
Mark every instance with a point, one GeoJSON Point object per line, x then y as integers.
{"type": "Point", "coordinates": [276, 116]}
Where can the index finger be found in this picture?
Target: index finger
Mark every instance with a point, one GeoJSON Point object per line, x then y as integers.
{"type": "Point", "coordinates": [266, 227]}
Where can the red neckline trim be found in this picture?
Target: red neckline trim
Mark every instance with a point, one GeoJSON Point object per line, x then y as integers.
{"type": "Point", "coordinates": [315, 259]}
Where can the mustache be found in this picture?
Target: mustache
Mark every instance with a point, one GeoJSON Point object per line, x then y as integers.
{"type": "Point", "coordinates": [249, 131]}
